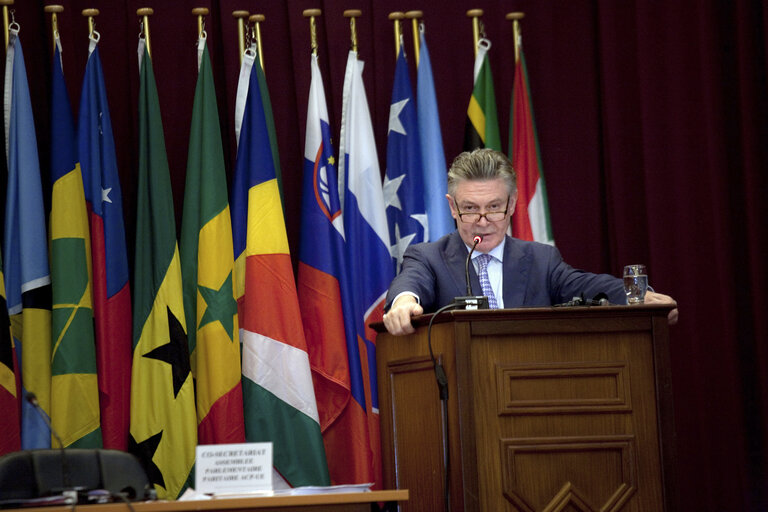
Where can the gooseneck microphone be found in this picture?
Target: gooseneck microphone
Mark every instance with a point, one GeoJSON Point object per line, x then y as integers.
{"type": "Point", "coordinates": [32, 399]}
{"type": "Point", "coordinates": [475, 241]}
{"type": "Point", "coordinates": [471, 301]}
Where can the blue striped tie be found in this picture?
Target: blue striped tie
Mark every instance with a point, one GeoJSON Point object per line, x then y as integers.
{"type": "Point", "coordinates": [485, 282]}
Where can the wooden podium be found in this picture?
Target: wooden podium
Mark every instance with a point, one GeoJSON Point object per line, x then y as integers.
{"type": "Point", "coordinates": [548, 409]}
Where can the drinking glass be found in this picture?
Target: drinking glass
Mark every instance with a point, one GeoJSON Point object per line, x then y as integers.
{"type": "Point", "coordinates": [635, 283]}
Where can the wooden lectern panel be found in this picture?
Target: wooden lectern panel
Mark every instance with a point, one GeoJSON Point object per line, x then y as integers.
{"type": "Point", "coordinates": [549, 409]}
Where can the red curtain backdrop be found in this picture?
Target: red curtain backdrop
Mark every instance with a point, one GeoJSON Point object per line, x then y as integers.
{"type": "Point", "coordinates": [653, 123]}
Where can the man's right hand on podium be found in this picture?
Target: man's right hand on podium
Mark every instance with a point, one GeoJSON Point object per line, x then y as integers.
{"type": "Point", "coordinates": [398, 319]}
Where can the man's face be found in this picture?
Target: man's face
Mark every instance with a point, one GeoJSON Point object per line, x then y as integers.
{"type": "Point", "coordinates": [482, 196]}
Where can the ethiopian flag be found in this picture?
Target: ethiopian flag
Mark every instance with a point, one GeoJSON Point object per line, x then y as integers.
{"type": "Point", "coordinates": [163, 419]}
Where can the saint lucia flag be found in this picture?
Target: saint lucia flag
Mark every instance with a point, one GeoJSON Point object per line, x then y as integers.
{"type": "Point", "coordinates": [74, 387]}
{"type": "Point", "coordinates": [482, 130]}
{"type": "Point", "coordinates": [403, 182]}
{"type": "Point", "coordinates": [432, 153]}
{"type": "Point", "coordinates": [111, 290]}
{"type": "Point", "coordinates": [27, 279]}
{"type": "Point", "coordinates": [278, 396]}
{"type": "Point", "coordinates": [371, 267]}
{"type": "Point", "coordinates": [325, 300]}
{"type": "Point", "coordinates": [163, 419]}
{"type": "Point", "coordinates": [531, 218]}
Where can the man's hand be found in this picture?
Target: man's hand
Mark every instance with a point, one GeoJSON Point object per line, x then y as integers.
{"type": "Point", "coordinates": [660, 298]}
{"type": "Point", "coordinates": [398, 319]}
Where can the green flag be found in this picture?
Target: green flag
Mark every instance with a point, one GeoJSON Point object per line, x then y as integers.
{"type": "Point", "coordinates": [482, 129]}
{"type": "Point", "coordinates": [163, 419]}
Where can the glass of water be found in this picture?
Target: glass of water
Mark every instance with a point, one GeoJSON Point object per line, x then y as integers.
{"type": "Point", "coordinates": [635, 283]}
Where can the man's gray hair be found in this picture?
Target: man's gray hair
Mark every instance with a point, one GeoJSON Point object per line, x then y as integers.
{"type": "Point", "coordinates": [481, 164]}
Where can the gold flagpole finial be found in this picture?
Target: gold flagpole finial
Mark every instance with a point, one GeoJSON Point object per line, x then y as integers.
{"type": "Point", "coordinates": [201, 13]}
{"type": "Point", "coordinates": [241, 16]}
{"type": "Point", "coordinates": [90, 14]}
{"type": "Point", "coordinates": [5, 4]}
{"type": "Point", "coordinates": [145, 13]}
{"type": "Point", "coordinates": [312, 14]}
{"type": "Point", "coordinates": [256, 20]}
{"type": "Point", "coordinates": [54, 11]}
{"type": "Point", "coordinates": [475, 14]}
{"type": "Point", "coordinates": [352, 14]}
{"type": "Point", "coordinates": [515, 18]}
{"type": "Point", "coordinates": [415, 16]}
{"type": "Point", "coordinates": [397, 17]}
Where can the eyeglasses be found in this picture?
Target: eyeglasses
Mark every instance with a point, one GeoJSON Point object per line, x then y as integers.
{"type": "Point", "coordinates": [492, 216]}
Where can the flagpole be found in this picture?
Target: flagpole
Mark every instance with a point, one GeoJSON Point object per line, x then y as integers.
{"type": "Point", "coordinates": [397, 17]}
{"type": "Point", "coordinates": [415, 16]}
{"type": "Point", "coordinates": [5, 4]}
{"type": "Point", "coordinates": [352, 14]}
{"type": "Point", "coordinates": [91, 14]}
{"type": "Point", "coordinates": [145, 13]}
{"type": "Point", "coordinates": [54, 10]}
{"type": "Point", "coordinates": [311, 14]}
{"type": "Point", "coordinates": [256, 20]}
{"type": "Point", "coordinates": [201, 13]}
{"type": "Point", "coordinates": [475, 15]}
{"type": "Point", "coordinates": [515, 17]}
{"type": "Point", "coordinates": [241, 16]}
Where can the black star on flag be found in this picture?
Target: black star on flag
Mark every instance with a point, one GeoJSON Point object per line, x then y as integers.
{"type": "Point", "coordinates": [145, 451]}
{"type": "Point", "coordinates": [175, 353]}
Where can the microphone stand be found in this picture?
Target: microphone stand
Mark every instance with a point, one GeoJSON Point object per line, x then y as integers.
{"type": "Point", "coordinates": [67, 490]}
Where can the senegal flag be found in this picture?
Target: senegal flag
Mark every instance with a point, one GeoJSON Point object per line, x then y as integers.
{"type": "Point", "coordinates": [207, 263]}
{"type": "Point", "coordinates": [163, 421]}
{"type": "Point", "coordinates": [74, 388]}
{"type": "Point", "coordinates": [482, 129]}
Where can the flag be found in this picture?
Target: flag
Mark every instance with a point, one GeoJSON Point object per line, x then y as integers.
{"type": "Point", "coordinates": [531, 218]}
{"type": "Point", "coordinates": [10, 423]}
{"type": "Point", "coordinates": [251, 54]}
{"type": "Point", "coordinates": [277, 384]}
{"type": "Point", "coordinates": [482, 129]}
{"type": "Point", "coordinates": [27, 278]}
{"type": "Point", "coordinates": [207, 264]}
{"type": "Point", "coordinates": [403, 181]}
{"type": "Point", "coordinates": [369, 263]}
{"type": "Point", "coordinates": [432, 153]}
{"type": "Point", "coordinates": [163, 418]}
{"type": "Point", "coordinates": [109, 254]}
{"type": "Point", "coordinates": [325, 300]}
{"type": "Point", "coordinates": [74, 385]}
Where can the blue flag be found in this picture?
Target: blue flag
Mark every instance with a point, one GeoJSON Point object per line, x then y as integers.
{"type": "Point", "coordinates": [403, 186]}
{"type": "Point", "coordinates": [432, 153]}
{"type": "Point", "coordinates": [27, 277]}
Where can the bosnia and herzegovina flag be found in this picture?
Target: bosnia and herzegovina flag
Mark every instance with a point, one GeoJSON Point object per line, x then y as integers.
{"type": "Point", "coordinates": [278, 396]}
{"type": "Point", "coordinates": [163, 419]}
{"type": "Point", "coordinates": [370, 264]}
{"type": "Point", "coordinates": [74, 387]}
{"type": "Point", "coordinates": [325, 299]}
{"type": "Point", "coordinates": [404, 180]}
{"type": "Point", "coordinates": [482, 129]}
{"type": "Point", "coordinates": [27, 279]}
{"type": "Point", "coordinates": [10, 424]}
{"type": "Point", "coordinates": [109, 254]}
{"type": "Point", "coordinates": [207, 265]}
{"type": "Point", "coordinates": [531, 218]}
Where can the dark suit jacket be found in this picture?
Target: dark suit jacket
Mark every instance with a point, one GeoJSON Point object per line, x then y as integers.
{"type": "Point", "coordinates": [534, 275]}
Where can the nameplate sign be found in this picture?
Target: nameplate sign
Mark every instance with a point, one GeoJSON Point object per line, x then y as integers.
{"type": "Point", "coordinates": [241, 467]}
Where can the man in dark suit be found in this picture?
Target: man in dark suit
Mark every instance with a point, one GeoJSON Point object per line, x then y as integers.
{"type": "Point", "coordinates": [482, 192]}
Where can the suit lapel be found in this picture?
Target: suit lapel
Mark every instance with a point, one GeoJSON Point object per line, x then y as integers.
{"type": "Point", "coordinates": [516, 267]}
{"type": "Point", "coordinates": [455, 259]}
